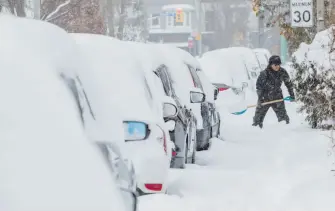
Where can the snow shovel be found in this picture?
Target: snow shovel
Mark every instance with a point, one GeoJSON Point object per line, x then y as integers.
{"type": "Point", "coordinates": [243, 110]}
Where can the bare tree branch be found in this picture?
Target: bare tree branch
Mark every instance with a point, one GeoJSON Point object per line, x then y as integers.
{"type": "Point", "coordinates": [57, 10]}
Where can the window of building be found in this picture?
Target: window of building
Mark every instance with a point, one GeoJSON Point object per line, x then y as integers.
{"type": "Point", "coordinates": [155, 20]}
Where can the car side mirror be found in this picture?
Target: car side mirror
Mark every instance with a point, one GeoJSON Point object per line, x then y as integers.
{"type": "Point", "coordinates": [135, 131]}
{"type": "Point", "coordinates": [169, 110]}
{"type": "Point", "coordinates": [197, 97]}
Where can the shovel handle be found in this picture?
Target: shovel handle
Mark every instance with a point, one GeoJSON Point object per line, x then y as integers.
{"type": "Point", "coordinates": [266, 103]}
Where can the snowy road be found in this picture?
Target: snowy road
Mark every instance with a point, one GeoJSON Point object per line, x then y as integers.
{"type": "Point", "coordinates": [280, 168]}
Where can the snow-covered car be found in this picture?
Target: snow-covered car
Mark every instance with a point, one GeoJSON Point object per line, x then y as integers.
{"type": "Point", "coordinates": [178, 84]}
{"type": "Point", "coordinates": [228, 73]}
{"type": "Point", "coordinates": [184, 132]}
{"type": "Point", "coordinates": [56, 48]}
{"type": "Point", "coordinates": [263, 55]}
{"type": "Point", "coordinates": [47, 162]}
{"type": "Point", "coordinates": [123, 84]}
{"type": "Point", "coordinates": [209, 115]}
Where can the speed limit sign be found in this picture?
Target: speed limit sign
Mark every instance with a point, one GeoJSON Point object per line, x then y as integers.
{"type": "Point", "coordinates": [302, 13]}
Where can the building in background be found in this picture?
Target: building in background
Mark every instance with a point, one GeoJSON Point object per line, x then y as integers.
{"type": "Point", "coordinates": [182, 23]}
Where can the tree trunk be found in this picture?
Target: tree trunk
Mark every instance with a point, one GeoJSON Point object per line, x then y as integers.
{"type": "Point", "coordinates": [20, 8]}
{"type": "Point", "coordinates": [122, 21]}
{"type": "Point", "coordinates": [110, 18]}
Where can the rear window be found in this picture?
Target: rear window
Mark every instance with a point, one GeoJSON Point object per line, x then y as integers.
{"type": "Point", "coordinates": [163, 75]}
{"type": "Point", "coordinates": [195, 77]}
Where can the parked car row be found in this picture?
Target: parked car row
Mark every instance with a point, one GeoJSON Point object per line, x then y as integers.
{"type": "Point", "coordinates": [96, 113]}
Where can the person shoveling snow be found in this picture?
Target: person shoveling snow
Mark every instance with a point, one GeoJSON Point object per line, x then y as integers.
{"type": "Point", "coordinates": [268, 87]}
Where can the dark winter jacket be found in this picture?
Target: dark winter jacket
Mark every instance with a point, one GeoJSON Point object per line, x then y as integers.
{"type": "Point", "coordinates": [269, 84]}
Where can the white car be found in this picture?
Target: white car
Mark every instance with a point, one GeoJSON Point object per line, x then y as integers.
{"type": "Point", "coordinates": [46, 162]}
{"type": "Point", "coordinates": [123, 85]}
{"type": "Point", "coordinates": [229, 73]}
{"type": "Point", "coordinates": [54, 46]}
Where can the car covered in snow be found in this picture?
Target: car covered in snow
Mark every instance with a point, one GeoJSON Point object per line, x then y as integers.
{"type": "Point", "coordinates": [209, 115]}
{"type": "Point", "coordinates": [56, 48]}
{"type": "Point", "coordinates": [184, 71]}
{"type": "Point", "coordinates": [184, 133]}
{"type": "Point", "coordinates": [47, 161]}
{"type": "Point", "coordinates": [228, 73]}
{"type": "Point", "coordinates": [123, 85]}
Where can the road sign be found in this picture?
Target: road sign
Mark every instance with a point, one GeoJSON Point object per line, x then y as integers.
{"type": "Point", "coordinates": [302, 13]}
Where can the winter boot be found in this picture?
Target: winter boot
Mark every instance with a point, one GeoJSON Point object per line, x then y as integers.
{"type": "Point", "coordinates": [258, 124]}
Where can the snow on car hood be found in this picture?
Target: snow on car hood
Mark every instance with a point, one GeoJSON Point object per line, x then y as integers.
{"type": "Point", "coordinates": [46, 161]}
{"type": "Point", "coordinates": [121, 84]}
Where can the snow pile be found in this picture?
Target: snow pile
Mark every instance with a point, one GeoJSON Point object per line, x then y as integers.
{"type": "Point", "coordinates": [319, 52]}
{"type": "Point", "coordinates": [314, 78]}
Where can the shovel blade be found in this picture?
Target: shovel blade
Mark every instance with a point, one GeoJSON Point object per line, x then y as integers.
{"type": "Point", "coordinates": [238, 108]}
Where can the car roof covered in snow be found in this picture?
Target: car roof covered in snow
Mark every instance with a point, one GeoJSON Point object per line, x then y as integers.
{"type": "Point", "coordinates": [121, 83]}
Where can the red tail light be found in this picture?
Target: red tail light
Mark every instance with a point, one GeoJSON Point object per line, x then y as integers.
{"type": "Point", "coordinates": [174, 153]}
{"type": "Point", "coordinates": [154, 187]}
{"type": "Point", "coordinates": [223, 89]}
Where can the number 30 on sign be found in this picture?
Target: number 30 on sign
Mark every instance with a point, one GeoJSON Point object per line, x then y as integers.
{"type": "Point", "coordinates": [302, 13]}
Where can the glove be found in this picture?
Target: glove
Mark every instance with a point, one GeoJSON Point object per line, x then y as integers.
{"type": "Point", "coordinates": [260, 96]}
{"type": "Point", "coordinates": [292, 98]}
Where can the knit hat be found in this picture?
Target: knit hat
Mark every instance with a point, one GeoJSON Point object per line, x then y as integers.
{"type": "Point", "coordinates": [275, 60]}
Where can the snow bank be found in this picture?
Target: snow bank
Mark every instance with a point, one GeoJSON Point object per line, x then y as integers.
{"type": "Point", "coordinates": [46, 161]}
{"type": "Point", "coordinates": [320, 51]}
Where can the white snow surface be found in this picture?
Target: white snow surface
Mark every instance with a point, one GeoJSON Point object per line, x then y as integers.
{"type": "Point", "coordinates": [279, 168]}
{"type": "Point", "coordinates": [46, 160]}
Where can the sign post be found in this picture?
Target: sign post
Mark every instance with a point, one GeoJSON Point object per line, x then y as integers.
{"type": "Point", "coordinates": [302, 13]}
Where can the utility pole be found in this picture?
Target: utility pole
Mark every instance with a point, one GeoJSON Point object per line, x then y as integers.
{"type": "Point", "coordinates": [198, 8]}
{"type": "Point", "coordinates": [320, 8]}
{"type": "Point", "coordinates": [37, 9]}
{"type": "Point", "coordinates": [260, 29]}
